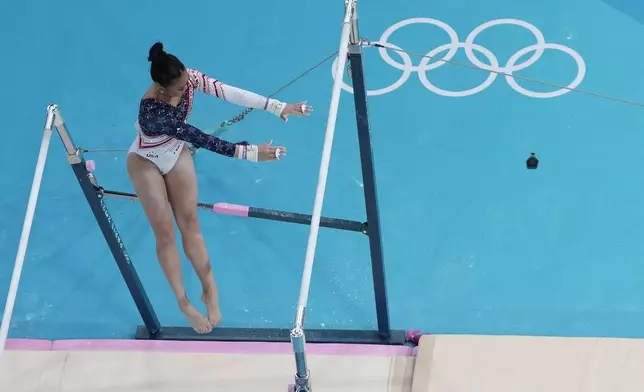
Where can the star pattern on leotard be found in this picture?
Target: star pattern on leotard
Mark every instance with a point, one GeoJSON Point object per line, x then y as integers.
{"type": "Point", "coordinates": [157, 118]}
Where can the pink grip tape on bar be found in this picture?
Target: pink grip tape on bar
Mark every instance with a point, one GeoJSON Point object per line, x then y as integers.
{"type": "Point", "coordinates": [90, 165]}
{"type": "Point", "coordinates": [231, 209]}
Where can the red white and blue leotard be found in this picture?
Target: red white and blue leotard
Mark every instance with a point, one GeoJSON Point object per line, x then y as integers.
{"type": "Point", "coordinates": [162, 129]}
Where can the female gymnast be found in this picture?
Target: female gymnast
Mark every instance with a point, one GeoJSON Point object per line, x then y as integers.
{"type": "Point", "coordinates": [162, 170]}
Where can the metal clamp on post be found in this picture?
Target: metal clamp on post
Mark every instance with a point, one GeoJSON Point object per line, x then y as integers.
{"type": "Point", "coordinates": [354, 35]}
{"type": "Point", "coordinates": [302, 373]}
{"type": "Point", "coordinates": [74, 154]}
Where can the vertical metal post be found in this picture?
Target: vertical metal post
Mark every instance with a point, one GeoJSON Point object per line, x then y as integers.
{"type": "Point", "coordinates": [369, 180]}
{"type": "Point", "coordinates": [26, 232]}
{"type": "Point", "coordinates": [107, 226]}
{"type": "Point", "coordinates": [298, 339]}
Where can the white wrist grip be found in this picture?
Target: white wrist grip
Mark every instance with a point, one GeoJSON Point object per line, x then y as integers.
{"type": "Point", "coordinates": [274, 106]}
{"type": "Point", "coordinates": [248, 153]}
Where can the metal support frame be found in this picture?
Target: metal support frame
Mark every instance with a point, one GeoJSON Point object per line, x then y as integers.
{"type": "Point", "coordinates": [152, 328]}
{"type": "Point", "coordinates": [369, 179]}
{"type": "Point", "coordinates": [385, 334]}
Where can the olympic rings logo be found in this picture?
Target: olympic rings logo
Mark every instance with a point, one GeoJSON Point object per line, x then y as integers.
{"type": "Point", "coordinates": [469, 46]}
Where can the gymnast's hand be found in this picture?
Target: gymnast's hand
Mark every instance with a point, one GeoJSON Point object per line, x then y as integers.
{"type": "Point", "coordinates": [268, 152]}
{"type": "Point", "coordinates": [296, 109]}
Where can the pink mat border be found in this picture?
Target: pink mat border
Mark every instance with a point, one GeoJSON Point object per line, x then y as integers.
{"type": "Point", "coordinates": [206, 347]}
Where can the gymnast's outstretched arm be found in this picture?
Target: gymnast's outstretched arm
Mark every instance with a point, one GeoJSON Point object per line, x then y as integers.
{"type": "Point", "coordinates": [152, 124]}
{"type": "Point", "coordinates": [245, 98]}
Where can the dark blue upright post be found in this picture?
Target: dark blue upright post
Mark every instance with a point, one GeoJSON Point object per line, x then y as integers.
{"type": "Point", "coordinates": [114, 242]}
{"type": "Point", "coordinates": [369, 181]}
{"type": "Point", "coordinates": [106, 224]}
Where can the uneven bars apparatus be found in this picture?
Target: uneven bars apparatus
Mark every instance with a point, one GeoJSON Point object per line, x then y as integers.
{"type": "Point", "coordinates": [152, 328]}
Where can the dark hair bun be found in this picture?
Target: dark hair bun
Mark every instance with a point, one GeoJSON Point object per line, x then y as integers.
{"type": "Point", "coordinates": [156, 52]}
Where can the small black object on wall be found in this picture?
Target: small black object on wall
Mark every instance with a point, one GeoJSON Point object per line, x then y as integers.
{"type": "Point", "coordinates": [532, 162]}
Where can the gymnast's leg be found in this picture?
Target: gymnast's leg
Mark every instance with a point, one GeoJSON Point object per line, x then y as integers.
{"type": "Point", "coordinates": [181, 183]}
{"type": "Point", "coordinates": [150, 187]}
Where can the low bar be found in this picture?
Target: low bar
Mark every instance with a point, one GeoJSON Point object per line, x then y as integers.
{"type": "Point", "coordinates": [262, 213]}
{"type": "Point", "coordinates": [305, 219]}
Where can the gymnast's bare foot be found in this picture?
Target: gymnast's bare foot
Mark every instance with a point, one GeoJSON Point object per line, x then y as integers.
{"type": "Point", "coordinates": [197, 320]}
{"type": "Point", "coordinates": [211, 301]}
